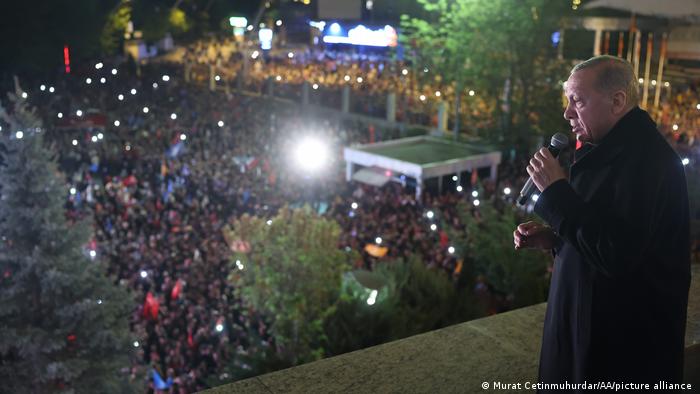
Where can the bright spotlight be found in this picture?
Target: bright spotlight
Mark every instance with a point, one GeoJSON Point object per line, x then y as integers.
{"type": "Point", "coordinates": [475, 194]}
{"type": "Point", "coordinates": [506, 191]}
{"type": "Point", "coordinates": [685, 161]}
{"type": "Point", "coordinates": [430, 214]}
{"type": "Point", "coordinates": [459, 188]}
{"type": "Point", "coordinates": [451, 250]}
{"type": "Point", "coordinates": [220, 123]}
{"type": "Point", "coordinates": [145, 110]}
{"type": "Point", "coordinates": [535, 197]}
{"type": "Point", "coordinates": [144, 274]}
{"type": "Point", "coordinates": [166, 78]}
{"type": "Point", "coordinates": [117, 123]}
{"type": "Point", "coordinates": [311, 154]}
{"type": "Point", "coordinates": [378, 240]}
{"type": "Point", "coordinates": [433, 227]}
{"type": "Point", "coordinates": [219, 327]}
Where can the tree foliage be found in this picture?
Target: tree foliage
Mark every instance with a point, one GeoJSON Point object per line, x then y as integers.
{"type": "Point", "coordinates": [501, 49]}
{"type": "Point", "coordinates": [415, 299]}
{"type": "Point", "coordinates": [520, 275]}
{"type": "Point", "coordinates": [292, 276]}
{"type": "Point", "coordinates": [64, 323]}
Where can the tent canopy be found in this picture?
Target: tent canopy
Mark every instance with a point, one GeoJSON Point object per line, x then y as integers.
{"type": "Point", "coordinates": [417, 157]}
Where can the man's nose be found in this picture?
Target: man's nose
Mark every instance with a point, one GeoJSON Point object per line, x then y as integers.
{"type": "Point", "coordinates": [568, 112]}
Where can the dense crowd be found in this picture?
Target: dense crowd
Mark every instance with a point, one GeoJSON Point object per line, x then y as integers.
{"type": "Point", "coordinates": [163, 166]}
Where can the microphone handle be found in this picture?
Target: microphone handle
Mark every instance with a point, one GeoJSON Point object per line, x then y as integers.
{"type": "Point", "coordinates": [530, 186]}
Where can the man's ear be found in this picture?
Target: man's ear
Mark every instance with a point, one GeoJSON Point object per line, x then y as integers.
{"type": "Point", "coordinates": [619, 102]}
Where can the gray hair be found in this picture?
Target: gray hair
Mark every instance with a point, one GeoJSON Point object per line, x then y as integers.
{"type": "Point", "coordinates": [613, 74]}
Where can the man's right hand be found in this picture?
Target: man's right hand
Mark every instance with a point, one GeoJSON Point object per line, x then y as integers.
{"type": "Point", "coordinates": [533, 235]}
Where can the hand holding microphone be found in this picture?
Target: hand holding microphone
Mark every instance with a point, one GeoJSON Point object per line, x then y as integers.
{"type": "Point", "coordinates": [544, 168]}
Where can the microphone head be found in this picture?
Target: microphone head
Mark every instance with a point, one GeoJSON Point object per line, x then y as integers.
{"type": "Point", "coordinates": [560, 141]}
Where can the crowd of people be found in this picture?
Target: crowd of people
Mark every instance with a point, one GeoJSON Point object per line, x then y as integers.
{"type": "Point", "coordinates": [163, 166]}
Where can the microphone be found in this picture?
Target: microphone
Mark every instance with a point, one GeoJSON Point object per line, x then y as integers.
{"type": "Point", "coordinates": [558, 143]}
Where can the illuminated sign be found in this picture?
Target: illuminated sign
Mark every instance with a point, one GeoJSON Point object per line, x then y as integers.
{"type": "Point", "coordinates": [238, 21]}
{"type": "Point", "coordinates": [239, 24]}
{"type": "Point", "coordinates": [265, 36]}
{"type": "Point", "coordinates": [361, 35]}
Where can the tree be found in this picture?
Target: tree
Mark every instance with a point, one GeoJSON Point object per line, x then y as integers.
{"type": "Point", "coordinates": [414, 299]}
{"type": "Point", "coordinates": [289, 269]}
{"type": "Point", "coordinates": [112, 35]}
{"type": "Point", "coordinates": [520, 275]}
{"type": "Point", "coordinates": [499, 48]}
{"type": "Point", "coordinates": [64, 323]}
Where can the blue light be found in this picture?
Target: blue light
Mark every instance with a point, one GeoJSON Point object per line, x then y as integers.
{"type": "Point", "coordinates": [335, 29]}
{"type": "Point", "coordinates": [555, 38]}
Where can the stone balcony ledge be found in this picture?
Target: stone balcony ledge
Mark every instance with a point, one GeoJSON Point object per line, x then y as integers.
{"type": "Point", "coordinates": [457, 359]}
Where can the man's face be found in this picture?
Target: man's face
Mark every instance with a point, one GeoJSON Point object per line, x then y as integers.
{"type": "Point", "coordinates": [589, 112]}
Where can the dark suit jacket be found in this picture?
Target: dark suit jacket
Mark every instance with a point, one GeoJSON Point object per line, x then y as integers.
{"type": "Point", "coordinates": [619, 292]}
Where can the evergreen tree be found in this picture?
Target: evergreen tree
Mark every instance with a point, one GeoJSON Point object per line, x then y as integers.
{"type": "Point", "coordinates": [64, 323]}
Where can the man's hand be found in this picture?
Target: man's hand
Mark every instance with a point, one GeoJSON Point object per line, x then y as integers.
{"type": "Point", "coordinates": [544, 169]}
{"type": "Point", "coordinates": [534, 235]}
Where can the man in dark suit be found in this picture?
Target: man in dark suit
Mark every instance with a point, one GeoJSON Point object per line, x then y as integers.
{"type": "Point", "coordinates": [618, 226]}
